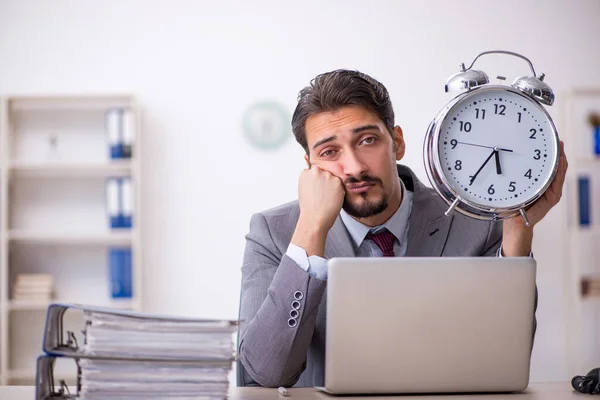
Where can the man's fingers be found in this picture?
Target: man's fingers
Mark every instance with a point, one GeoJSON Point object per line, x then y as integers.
{"type": "Point", "coordinates": [556, 188]}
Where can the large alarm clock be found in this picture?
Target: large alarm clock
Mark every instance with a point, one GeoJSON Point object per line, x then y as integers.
{"type": "Point", "coordinates": [493, 150]}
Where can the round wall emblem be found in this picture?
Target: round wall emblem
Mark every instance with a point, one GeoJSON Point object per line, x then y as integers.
{"type": "Point", "coordinates": [267, 124]}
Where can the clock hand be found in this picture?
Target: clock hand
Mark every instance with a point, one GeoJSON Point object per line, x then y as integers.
{"type": "Point", "coordinates": [497, 156]}
{"type": "Point", "coordinates": [480, 168]}
{"type": "Point", "coordinates": [487, 147]}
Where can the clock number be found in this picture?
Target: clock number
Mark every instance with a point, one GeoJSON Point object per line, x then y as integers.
{"type": "Point", "coordinates": [502, 108]}
{"type": "Point", "coordinates": [458, 165]}
{"type": "Point", "coordinates": [538, 154]}
{"type": "Point", "coordinates": [528, 174]}
{"type": "Point", "coordinates": [519, 117]}
{"type": "Point", "coordinates": [454, 142]}
{"type": "Point", "coordinates": [465, 125]}
{"type": "Point", "coordinates": [512, 187]}
{"type": "Point", "coordinates": [491, 189]}
{"type": "Point", "coordinates": [533, 132]}
{"type": "Point", "coordinates": [477, 113]}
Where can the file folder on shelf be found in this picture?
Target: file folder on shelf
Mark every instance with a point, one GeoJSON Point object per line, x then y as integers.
{"type": "Point", "coordinates": [126, 354]}
{"type": "Point", "coordinates": [120, 202]}
{"type": "Point", "coordinates": [128, 132]}
{"type": "Point", "coordinates": [113, 132]}
{"type": "Point", "coordinates": [120, 272]}
{"type": "Point", "coordinates": [113, 203]}
{"type": "Point", "coordinates": [126, 202]}
{"type": "Point", "coordinates": [120, 132]}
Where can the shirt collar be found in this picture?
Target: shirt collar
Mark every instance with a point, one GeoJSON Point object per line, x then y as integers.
{"type": "Point", "coordinates": [397, 223]}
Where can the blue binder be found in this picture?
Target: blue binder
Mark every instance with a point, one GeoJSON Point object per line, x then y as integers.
{"type": "Point", "coordinates": [113, 202]}
{"type": "Point", "coordinates": [127, 132]}
{"type": "Point", "coordinates": [126, 198]}
{"type": "Point", "coordinates": [597, 140]}
{"type": "Point", "coordinates": [120, 270]}
{"type": "Point", "coordinates": [114, 127]}
{"type": "Point", "coordinates": [584, 192]}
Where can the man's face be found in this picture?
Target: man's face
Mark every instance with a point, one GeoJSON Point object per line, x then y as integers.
{"type": "Point", "coordinates": [353, 144]}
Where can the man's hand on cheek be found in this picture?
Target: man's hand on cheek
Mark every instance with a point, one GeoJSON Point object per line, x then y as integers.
{"type": "Point", "coordinates": [321, 196]}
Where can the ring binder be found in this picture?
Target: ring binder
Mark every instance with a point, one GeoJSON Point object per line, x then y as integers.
{"type": "Point", "coordinates": [128, 354]}
{"type": "Point", "coordinates": [45, 388]}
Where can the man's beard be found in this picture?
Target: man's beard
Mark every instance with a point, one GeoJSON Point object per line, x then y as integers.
{"type": "Point", "coordinates": [367, 208]}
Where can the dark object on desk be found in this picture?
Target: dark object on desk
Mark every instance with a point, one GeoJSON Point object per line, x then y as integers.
{"type": "Point", "coordinates": [589, 384]}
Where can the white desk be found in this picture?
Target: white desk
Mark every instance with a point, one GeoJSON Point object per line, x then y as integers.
{"type": "Point", "coordinates": [536, 391]}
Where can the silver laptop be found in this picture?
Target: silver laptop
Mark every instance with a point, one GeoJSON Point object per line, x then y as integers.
{"type": "Point", "coordinates": [429, 325]}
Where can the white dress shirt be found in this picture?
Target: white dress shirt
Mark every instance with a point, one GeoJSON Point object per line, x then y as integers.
{"type": "Point", "coordinates": [397, 224]}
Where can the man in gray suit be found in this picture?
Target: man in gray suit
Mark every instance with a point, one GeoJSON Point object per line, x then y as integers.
{"type": "Point", "coordinates": [353, 200]}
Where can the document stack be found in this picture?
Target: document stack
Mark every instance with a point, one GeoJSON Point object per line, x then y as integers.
{"type": "Point", "coordinates": [128, 355]}
{"type": "Point", "coordinates": [33, 287]}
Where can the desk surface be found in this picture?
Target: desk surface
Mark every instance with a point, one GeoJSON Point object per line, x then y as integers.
{"type": "Point", "coordinates": [535, 391]}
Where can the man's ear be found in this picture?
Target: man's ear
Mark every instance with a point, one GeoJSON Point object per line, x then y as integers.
{"type": "Point", "coordinates": [307, 161]}
{"type": "Point", "coordinates": [400, 146]}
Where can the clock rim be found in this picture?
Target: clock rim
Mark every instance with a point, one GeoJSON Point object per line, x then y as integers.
{"type": "Point", "coordinates": [441, 184]}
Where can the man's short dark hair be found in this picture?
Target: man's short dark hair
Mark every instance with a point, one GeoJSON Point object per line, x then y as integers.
{"type": "Point", "coordinates": [336, 89]}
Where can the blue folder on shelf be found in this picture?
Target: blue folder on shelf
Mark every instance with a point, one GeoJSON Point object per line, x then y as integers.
{"type": "Point", "coordinates": [113, 202]}
{"type": "Point", "coordinates": [114, 126]}
{"type": "Point", "coordinates": [120, 272]}
{"type": "Point", "coordinates": [584, 193]}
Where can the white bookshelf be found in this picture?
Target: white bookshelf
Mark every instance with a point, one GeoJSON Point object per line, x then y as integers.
{"type": "Point", "coordinates": [37, 305]}
{"type": "Point", "coordinates": [54, 163]}
{"type": "Point", "coordinates": [58, 170]}
{"type": "Point", "coordinates": [73, 238]}
{"type": "Point", "coordinates": [582, 243]}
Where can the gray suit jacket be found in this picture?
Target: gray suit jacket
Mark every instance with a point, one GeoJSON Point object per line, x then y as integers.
{"type": "Point", "coordinates": [275, 354]}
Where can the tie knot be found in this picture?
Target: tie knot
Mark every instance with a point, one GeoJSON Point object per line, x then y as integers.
{"type": "Point", "coordinates": [384, 240]}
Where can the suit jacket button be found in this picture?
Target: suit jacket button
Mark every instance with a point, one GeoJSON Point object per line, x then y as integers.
{"type": "Point", "coordinates": [294, 313]}
{"type": "Point", "coordinates": [296, 305]}
{"type": "Point", "coordinates": [292, 322]}
{"type": "Point", "coordinates": [298, 295]}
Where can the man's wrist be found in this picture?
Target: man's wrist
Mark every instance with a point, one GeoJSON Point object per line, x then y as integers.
{"type": "Point", "coordinates": [311, 237]}
{"type": "Point", "coordinates": [516, 239]}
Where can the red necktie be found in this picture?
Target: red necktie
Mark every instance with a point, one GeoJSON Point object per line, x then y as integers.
{"type": "Point", "coordinates": [384, 240]}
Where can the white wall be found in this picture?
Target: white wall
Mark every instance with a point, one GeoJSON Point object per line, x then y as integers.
{"type": "Point", "coordinates": [195, 67]}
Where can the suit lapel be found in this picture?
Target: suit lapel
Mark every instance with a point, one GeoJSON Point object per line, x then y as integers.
{"type": "Point", "coordinates": [426, 236]}
{"type": "Point", "coordinates": [339, 242]}
{"type": "Point", "coordinates": [428, 227]}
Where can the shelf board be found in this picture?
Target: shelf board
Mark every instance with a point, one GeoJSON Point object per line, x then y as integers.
{"type": "Point", "coordinates": [584, 231]}
{"type": "Point", "coordinates": [72, 238]}
{"type": "Point", "coordinates": [74, 102]}
{"type": "Point", "coordinates": [108, 169]}
{"type": "Point", "coordinates": [39, 305]}
{"type": "Point", "coordinates": [589, 162]}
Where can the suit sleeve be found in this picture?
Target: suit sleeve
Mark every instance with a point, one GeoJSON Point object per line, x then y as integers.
{"type": "Point", "coordinates": [493, 242]}
{"type": "Point", "coordinates": [273, 345]}
{"type": "Point", "coordinates": [492, 248]}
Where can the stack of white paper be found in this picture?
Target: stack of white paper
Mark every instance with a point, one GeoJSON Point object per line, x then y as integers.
{"type": "Point", "coordinates": [117, 335]}
{"type": "Point", "coordinates": [128, 355]}
{"type": "Point", "coordinates": [33, 287]}
{"type": "Point", "coordinates": [126, 379]}
{"type": "Point", "coordinates": [140, 357]}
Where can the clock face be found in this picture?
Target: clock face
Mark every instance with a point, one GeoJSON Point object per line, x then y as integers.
{"type": "Point", "coordinates": [497, 148]}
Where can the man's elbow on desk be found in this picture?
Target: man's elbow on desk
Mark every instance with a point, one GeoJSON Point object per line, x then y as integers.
{"type": "Point", "coordinates": [265, 375]}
